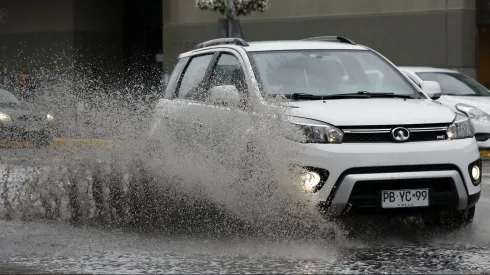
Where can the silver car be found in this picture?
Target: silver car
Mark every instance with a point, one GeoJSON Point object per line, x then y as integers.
{"type": "Point", "coordinates": [461, 93]}
{"type": "Point", "coordinates": [20, 123]}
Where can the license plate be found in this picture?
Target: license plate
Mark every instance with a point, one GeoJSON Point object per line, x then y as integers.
{"type": "Point", "coordinates": [404, 198]}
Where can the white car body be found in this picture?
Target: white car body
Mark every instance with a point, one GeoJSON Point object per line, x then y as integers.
{"type": "Point", "coordinates": [392, 165]}
{"type": "Point", "coordinates": [482, 128]}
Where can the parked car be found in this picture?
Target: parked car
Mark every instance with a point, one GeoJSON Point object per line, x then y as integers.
{"type": "Point", "coordinates": [461, 93]}
{"type": "Point", "coordinates": [21, 123]}
{"type": "Point", "coordinates": [374, 144]}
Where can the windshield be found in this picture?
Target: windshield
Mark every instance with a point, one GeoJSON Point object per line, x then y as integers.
{"type": "Point", "coordinates": [7, 99]}
{"type": "Point", "coordinates": [328, 72]}
{"type": "Point", "coordinates": [455, 83]}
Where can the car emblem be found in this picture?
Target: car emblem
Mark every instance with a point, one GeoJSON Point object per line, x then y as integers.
{"type": "Point", "coordinates": [400, 134]}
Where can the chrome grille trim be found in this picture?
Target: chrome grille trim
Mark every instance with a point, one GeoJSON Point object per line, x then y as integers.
{"type": "Point", "coordinates": [431, 129]}
{"type": "Point", "coordinates": [384, 130]}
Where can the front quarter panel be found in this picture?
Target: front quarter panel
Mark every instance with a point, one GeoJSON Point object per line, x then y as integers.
{"type": "Point", "coordinates": [164, 113]}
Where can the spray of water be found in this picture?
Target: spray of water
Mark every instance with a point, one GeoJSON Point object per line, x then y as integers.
{"type": "Point", "coordinates": [230, 172]}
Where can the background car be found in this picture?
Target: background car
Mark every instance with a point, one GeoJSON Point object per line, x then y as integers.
{"type": "Point", "coordinates": [461, 93]}
{"type": "Point", "coordinates": [21, 123]}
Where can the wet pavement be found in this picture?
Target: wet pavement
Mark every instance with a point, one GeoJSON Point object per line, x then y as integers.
{"type": "Point", "coordinates": [42, 247]}
{"type": "Point", "coordinates": [381, 246]}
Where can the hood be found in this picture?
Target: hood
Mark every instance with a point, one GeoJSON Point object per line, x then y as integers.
{"type": "Point", "coordinates": [481, 102]}
{"type": "Point", "coordinates": [373, 111]}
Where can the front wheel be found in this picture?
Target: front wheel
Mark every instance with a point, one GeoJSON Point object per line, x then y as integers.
{"type": "Point", "coordinates": [452, 219]}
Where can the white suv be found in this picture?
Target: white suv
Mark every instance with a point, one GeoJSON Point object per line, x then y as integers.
{"type": "Point", "coordinates": [375, 142]}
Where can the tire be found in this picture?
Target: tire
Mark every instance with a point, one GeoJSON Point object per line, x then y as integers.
{"type": "Point", "coordinates": [452, 219]}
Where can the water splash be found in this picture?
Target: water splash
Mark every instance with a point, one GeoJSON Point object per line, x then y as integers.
{"type": "Point", "coordinates": [230, 174]}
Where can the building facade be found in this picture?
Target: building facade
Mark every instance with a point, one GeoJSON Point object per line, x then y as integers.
{"type": "Point", "coordinates": [440, 33]}
{"type": "Point", "coordinates": [113, 35]}
{"type": "Point", "coordinates": [105, 37]}
{"type": "Point", "coordinates": [86, 58]}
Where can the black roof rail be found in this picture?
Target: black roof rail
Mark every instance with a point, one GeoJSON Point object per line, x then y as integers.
{"type": "Point", "coordinates": [221, 41]}
{"type": "Point", "coordinates": [331, 38]}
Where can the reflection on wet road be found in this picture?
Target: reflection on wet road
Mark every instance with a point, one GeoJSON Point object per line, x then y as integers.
{"type": "Point", "coordinates": [60, 248]}
{"type": "Point", "coordinates": [391, 246]}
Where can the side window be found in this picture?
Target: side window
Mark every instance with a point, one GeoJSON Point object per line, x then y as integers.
{"type": "Point", "coordinates": [192, 81]}
{"type": "Point", "coordinates": [229, 71]}
{"type": "Point", "coordinates": [174, 77]}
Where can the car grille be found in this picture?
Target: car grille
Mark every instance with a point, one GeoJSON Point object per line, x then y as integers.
{"type": "Point", "coordinates": [367, 134]}
{"type": "Point", "coordinates": [366, 195]}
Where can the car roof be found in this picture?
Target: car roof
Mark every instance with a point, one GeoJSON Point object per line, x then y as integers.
{"type": "Point", "coordinates": [298, 44]}
{"type": "Point", "coordinates": [284, 45]}
{"type": "Point", "coordinates": [426, 69]}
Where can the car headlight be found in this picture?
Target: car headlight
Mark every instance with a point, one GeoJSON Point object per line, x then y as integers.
{"type": "Point", "coordinates": [473, 112]}
{"type": "Point", "coordinates": [460, 128]}
{"type": "Point", "coordinates": [49, 117]}
{"type": "Point", "coordinates": [4, 117]}
{"type": "Point", "coordinates": [318, 132]}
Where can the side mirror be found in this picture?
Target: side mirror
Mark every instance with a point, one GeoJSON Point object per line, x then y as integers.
{"type": "Point", "coordinates": [226, 95]}
{"type": "Point", "coordinates": [432, 89]}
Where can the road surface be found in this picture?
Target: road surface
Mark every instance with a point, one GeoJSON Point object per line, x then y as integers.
{"type": "Point", "coordinates": [379, 247]}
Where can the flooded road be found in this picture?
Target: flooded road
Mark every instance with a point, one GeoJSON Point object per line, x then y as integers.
{"type": "Point", "coordinates": [61, 248]}
{"type": "Point", "coordinates": [386, 246]}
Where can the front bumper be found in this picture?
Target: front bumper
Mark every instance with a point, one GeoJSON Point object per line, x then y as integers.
{"type": "Point", "coordinates": [388, 163]}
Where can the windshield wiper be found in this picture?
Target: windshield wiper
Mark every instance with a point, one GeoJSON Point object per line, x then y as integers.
{"type": "Point", "coordinates": [462, 94]}
{"type": "Point", "coordinates": [296, 96]}
{"type": "Point", "coordinates": [361, 94]}
{"type": "Point", "coordinates": [390, 95]}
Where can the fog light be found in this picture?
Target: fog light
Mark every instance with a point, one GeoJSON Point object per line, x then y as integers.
{"type": "Point", "coordinates": [475, 172]}
{"type": "Point", "coordinates": [310, 181]}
